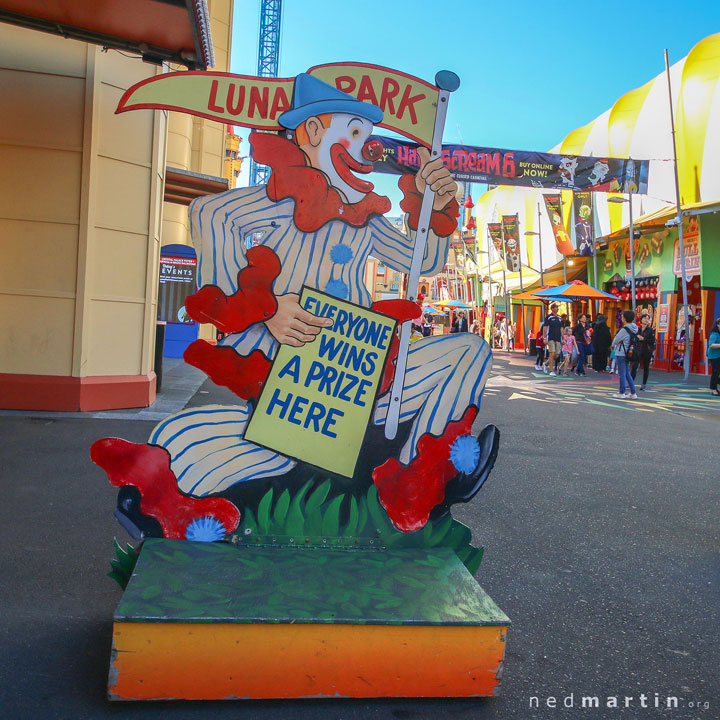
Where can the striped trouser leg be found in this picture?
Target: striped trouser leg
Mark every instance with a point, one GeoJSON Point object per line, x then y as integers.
{"type": "Point", "coordinates": [207, 450]}
{"type": "Point", "coordinates": [445, 374]}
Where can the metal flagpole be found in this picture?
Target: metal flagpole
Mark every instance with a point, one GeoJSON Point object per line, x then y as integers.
{"type": "Point", "coordinates": [539, 232]}
{"type": "Point", "coordinates": [562, 220]}
{"type": "Point", "coordinates": [503, 263]}
{"type": "Point", "coordinates": [522, 289]}
{"type": "Point", "coordinates": [632, 255]}
{"type": "Point", "coordinates": [683, 275]}
{"type": "Point", "coordinates": [594, 249]}
{"type": "Point", "coordinates": [446, 82]}
{"type": "Point", "coordinates": [507, 302]}
{"type": "Point", "coordinates": [492, 308]}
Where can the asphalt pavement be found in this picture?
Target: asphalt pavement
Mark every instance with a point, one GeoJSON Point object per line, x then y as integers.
{"type": "Point", "coordinates": [600, 527]}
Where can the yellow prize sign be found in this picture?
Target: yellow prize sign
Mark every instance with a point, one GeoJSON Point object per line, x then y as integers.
{"type": "Point", "coordinates": [317, 400]}
{"type": "Point", "coordinates": [408, 103]}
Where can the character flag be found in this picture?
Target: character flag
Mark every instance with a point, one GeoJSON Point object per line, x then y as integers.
{"type": "Point", "coordinates": [511, 231]}
{"type": "Point", "coordinates": [495, 230]}
{"type": "Point", "coordinates": [583, 218]}
{"type": "Point", "coordinates": [553, 205]}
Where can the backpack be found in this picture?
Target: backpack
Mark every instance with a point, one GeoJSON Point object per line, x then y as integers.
{"type": "Point", "coordinates": [632, 352]}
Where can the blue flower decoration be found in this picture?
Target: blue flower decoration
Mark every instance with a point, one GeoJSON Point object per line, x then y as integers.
{"type": "Point", "coordinates": [205, 529]}
{"type": "Point", "coordinates": [337, 288]}
{"type": "Point", "coordinates": [465, 453]}
{"type": "Point", "coordinates": [341, 254]}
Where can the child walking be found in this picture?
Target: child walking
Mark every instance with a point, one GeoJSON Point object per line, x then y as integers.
{"type": "Point", "coordinates": [540, 347]}
{"type": "Point", "coordinates": [569, 349]}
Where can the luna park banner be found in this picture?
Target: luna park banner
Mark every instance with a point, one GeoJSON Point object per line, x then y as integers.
{"type": "Point", "coordinates": [519, 167]}
{"type": "Point", "coordinates": [408, 103]}
{"type": "Point", "coordinates": [511, 231]}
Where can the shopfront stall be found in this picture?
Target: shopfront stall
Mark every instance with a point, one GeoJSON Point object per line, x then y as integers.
{"type": "Point", "coordinates": [658, 286]}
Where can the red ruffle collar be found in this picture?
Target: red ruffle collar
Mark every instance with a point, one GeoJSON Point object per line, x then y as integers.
{"type": "Point", "coordinates": [316, 201]}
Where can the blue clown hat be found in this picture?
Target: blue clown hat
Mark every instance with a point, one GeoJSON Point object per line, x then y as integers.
{"type": "Point", "coordinates": [314, 97]}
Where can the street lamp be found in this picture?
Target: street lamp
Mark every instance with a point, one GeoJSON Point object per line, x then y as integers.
{"type": "Point", "coordinates": [628, 200]}
{"type": "Point", "coordinates": [530, 233]}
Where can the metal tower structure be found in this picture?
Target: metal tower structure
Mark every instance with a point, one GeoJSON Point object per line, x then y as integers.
{"type": "Point", "coordinates": [268, 63]}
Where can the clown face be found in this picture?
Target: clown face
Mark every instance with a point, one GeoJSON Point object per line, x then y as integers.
{"type": "Point", "coordinates": [341, 152]}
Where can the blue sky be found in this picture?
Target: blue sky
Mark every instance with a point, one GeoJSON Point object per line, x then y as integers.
{"type": "Point", "coordinates": [530, 71]}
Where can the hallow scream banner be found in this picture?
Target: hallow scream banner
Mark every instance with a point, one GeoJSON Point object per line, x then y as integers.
{"type": "Point", "coordinates": [583, 217]}
{"type": "Point", "coordinates": [495, 232]}
{"type": "Point", "coordinates": [511, 231]}
{"type": "Point", "coordinates": [519, 167]}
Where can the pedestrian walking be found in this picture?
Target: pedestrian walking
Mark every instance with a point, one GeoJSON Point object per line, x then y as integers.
{"type": "Point", "coordinates": [713, 355]}
{"type": "Point", "coordinates": [646, 338]}
{"type": "Point", "coordinates": [626, 341]}
{"type": "Point", "coordinates": [601, 340]}
{"type": "Point", "coordinates": [460, 323]}
{"type": "Point", "coordinates": [540, 348]}
{"type": "Point", "coordinates": [552, 334]}
{"type": "Point", "coordinates": [569, 350]}
{"type": "Point", "coordinates": [581, 339]}
{"type": "Point", "coordinates": [511, 336]}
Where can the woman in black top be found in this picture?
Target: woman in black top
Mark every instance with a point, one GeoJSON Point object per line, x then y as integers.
{"type": "Point", "coordinates": [601, 340]}
{"type": "Point", "coordinates": [646, 342]}
{"type": "Point", "coordinates": [580, 333]}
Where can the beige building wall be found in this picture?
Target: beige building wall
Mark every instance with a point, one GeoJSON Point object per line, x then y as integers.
{"type": "Point", "coordinates": [198, 144]}
{"type": "Point", "coordinates": [194, 143]}
{"type": "Point", "coordinates": [80, 217]}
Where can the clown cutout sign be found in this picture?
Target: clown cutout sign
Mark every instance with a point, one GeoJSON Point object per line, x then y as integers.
{"type": "Point", "coordinates": [344, 433]}
{"type": "Point", "coordinates": [281, 269]}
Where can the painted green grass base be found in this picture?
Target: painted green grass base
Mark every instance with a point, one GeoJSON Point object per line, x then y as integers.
{"type": "Point", "coordinates": [313, 517]}
{"type": "Point", "coordinates": [124, 564]}
{"type": "Point", "coordinates": [182, 581]}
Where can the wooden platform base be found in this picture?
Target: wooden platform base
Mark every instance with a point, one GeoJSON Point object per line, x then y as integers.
{"type": "Point", "coordinates": [211, 621]}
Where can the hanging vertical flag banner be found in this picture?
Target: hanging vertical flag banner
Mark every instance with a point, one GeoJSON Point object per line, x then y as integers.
{"type": "Point", "coordinates": [495, 230]}
{"type": "Point", "coordinates": [511, 230]}
{"type": "Point", "coordinates": [553, 205]}
{"type": "Point", "coordinates": [583, 219]}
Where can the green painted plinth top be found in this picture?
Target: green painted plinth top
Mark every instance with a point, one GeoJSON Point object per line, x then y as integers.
{"type": "Point", "coordinates": [181, 581]}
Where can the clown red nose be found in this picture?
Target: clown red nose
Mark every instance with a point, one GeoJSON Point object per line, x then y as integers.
{"type": "Point", "coordinates": [372, 150]}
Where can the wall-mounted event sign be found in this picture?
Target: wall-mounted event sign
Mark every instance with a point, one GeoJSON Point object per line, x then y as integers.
{"type": "Point", "coordinates": [177, 281]}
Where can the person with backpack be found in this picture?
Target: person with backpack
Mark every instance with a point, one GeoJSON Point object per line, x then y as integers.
{"type": "Point", "coordinates": [646, 338]}
{"type": "Point", "coordinates": [627, 348]}
{"type": "Point", "coordinates": [601, 340]}
{"type": "Point", "coordinates": [713, 355]}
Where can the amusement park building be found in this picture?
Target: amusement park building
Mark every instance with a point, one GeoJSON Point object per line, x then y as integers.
{"type": "Point", "coordinates": [638, 126]}
{"type": "Point", "coordinates": [89, 197]}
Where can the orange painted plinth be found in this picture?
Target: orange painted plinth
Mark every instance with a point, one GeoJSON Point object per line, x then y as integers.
{"type": "Point", "coordinates": [211, 661]}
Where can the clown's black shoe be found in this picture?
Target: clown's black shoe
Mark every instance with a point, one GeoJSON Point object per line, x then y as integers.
{"type": "Point", "coordinates": [464, 486]}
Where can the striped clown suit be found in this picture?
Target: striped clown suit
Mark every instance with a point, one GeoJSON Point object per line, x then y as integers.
{"type": "Point", "coordinates": [445, 374]}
